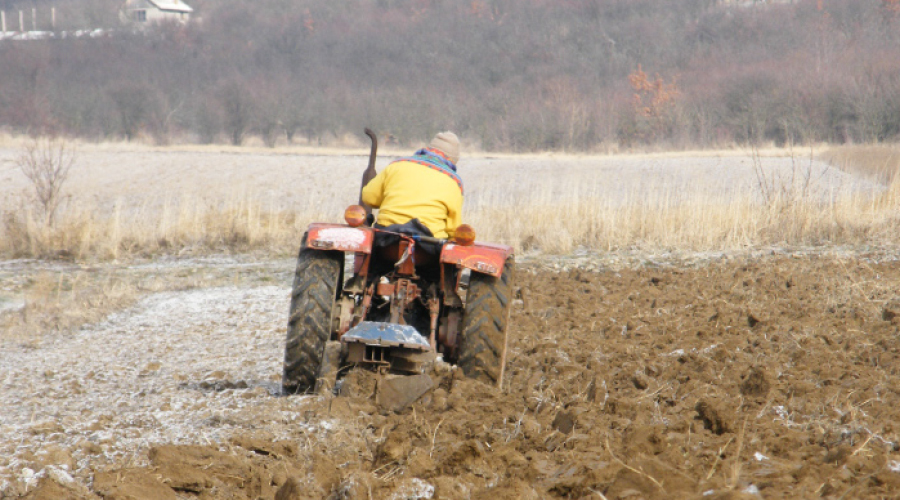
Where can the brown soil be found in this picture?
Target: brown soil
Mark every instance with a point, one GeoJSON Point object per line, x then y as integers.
{"type": "Point", "coordinates": [772, 378]}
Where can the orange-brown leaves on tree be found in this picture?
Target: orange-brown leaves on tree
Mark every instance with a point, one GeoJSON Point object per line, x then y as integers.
{"type": "Point", "coordinates": [481, 10]}
{"type": "Point", "coordinates": [308, 22]}
{"type": "Point", "coordinates": [653, 98]}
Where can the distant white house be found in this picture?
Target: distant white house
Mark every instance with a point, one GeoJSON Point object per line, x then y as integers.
{"type": "Point", "coordinates": [154, 11]}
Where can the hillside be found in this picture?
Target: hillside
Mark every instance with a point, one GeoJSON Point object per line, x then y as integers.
{"type": "Point", "coordinates": [531, 75]}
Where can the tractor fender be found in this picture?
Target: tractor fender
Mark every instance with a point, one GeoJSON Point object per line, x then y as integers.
{"type": "Point", "coordinates": [485, 258]}
{"type": "Point", "coordinates": [340, 237]}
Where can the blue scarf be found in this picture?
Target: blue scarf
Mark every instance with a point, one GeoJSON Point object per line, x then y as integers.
{"type": "Point", "coordinates": [436, 161]}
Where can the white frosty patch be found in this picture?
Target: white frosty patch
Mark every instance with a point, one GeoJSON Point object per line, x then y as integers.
{"type": "Point", "coordinates": [11, 306]}
{"type": "Point", "coordinates": [342, 236]}
{"type": "Point", "coordinates": [894, 465]}
{"type": "Point", "coordinates": [328, 425]}
{"type": "Point", "coordinates": [179, 367]}
{"type": "Point", "coordinates": [414, 490]}
{"type": "Point", "coordinates": [781, 412]}
{"type": "Point", "coordinates": [707, 350]}
{"type": "Point", "coordinates": [26, 474]}
{"type": "Point", "coordinates": [61, 476]}
{"type": "Point", "coordinates": [681, 352]}
{"type": "Point", "coordinates": [760, 457]}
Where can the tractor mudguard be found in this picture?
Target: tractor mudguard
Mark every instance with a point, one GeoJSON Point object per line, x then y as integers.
{"type": "Point", "coordinates": [340, 237]}
{"type": "Point", "coordinates": [484, 258]}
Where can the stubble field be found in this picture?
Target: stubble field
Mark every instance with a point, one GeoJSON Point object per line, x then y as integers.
{"type": "Point", "coordinates": [632, 374]}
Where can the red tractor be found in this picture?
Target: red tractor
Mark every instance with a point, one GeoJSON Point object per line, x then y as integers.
{"type": "Point", "coordinates": [408, 301]}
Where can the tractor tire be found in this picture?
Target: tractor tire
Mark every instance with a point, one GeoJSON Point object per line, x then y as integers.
{"type": "Point", "coordinates": [313, 299]}
{"type": "Point", "coordinates": [482, 345]}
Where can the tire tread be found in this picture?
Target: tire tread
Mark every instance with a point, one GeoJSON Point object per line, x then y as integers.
{"type": "Point", "coordinates": [309, 322]}
{"type": "Point", "coordinates": [482, 350]}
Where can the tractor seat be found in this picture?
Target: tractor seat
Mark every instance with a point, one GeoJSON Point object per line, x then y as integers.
{"type": "Point", "coordinates": [393, 253]}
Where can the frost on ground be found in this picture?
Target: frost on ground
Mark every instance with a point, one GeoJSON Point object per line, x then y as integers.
{"type": "Point", "coordinates": [179, 367]}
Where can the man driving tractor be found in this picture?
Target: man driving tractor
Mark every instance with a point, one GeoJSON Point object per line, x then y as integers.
{"type": "Point", "coordinates": [420, 193]}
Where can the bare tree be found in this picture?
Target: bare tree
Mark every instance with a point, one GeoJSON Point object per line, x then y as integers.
{"type": "Point", "coordinates": [134, 103]}
{"type": "Point", "coordinates": [237, 107]}
{"type": "Point", "coordinates": [46, 163]}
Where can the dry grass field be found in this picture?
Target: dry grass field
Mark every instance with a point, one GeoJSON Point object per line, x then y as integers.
{"type": "Point", "coordinates": [881, 162]}
{"type": "Point", "coordinates": [715, 325]}
{"type": "Point", "coordinates": [132, 200]}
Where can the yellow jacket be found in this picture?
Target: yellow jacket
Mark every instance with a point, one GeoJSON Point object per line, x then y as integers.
{"type": "Point", "coordinates": [405, 190]}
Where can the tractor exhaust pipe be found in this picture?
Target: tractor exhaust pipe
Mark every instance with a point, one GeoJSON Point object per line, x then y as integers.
{"type": "Point", "coordinates": [370, 172]}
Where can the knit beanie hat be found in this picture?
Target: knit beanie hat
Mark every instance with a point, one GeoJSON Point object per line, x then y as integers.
{"type": "Point", "coordinates": [447, 143]}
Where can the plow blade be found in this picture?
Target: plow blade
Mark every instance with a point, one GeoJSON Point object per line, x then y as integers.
{"type": "Point", "coordinates": [389, 345]}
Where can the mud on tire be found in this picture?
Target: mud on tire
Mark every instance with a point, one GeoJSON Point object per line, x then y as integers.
{"type": "Point", "coordinates": [309, 324]}
{"type": "Point", "coordinates": [482, 349]}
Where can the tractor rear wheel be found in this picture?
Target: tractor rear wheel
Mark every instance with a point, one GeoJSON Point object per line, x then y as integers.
{"type": "Point", "coordinates": [482, 346]}
{"type": "Point", "coordinates": [313, 299]}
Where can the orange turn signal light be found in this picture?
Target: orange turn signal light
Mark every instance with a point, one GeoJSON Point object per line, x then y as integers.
{"type": "Point", "coordinates": [464, 235]}
{"type": "Point", "coordinates": [355, 215]}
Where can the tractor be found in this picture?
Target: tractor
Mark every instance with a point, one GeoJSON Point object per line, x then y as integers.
{"type": "Point", "coordinates": [395, 301]}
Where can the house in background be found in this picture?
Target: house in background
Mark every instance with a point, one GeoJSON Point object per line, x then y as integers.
{"type": "Point", "coordinates": [154, 11]}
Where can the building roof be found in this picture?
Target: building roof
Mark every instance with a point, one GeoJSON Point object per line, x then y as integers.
{"type": "Point", "coordinates": [172, 5]}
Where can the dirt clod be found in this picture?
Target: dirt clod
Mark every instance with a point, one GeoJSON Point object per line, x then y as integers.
{"type": "Point", "coordinates": [756, 383]}
{"type": "Point", "coordinates": [136, 484]}
{"type": "Point", "coordinates": [56, 487]}
{"type": "Point", "coordinates": [714, 417]}
{"type": "Point", "coordinates": [752, 320]}
{"type": "Point", "coordinates": [564, 422]}
{"type": "Point", "coordinates": [290, 490]}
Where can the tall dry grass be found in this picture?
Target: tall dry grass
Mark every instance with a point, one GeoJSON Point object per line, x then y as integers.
{"type": "Point", "coordinates": [183, 225]}
{"type": "Point", "coordinates": [878, 161]}
{"type": "Point", "coordinates": [700, 224]}
{"type": "Point", "coordinates": [558, 220]}
{"type": "Point", "coordinates": [666, 223]}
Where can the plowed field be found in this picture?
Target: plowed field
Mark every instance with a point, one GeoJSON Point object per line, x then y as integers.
{"type": "Point", "coordinates": [766, 377]}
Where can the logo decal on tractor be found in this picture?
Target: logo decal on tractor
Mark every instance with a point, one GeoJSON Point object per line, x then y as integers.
{"type": "Point", "coordinates": [485, 268]}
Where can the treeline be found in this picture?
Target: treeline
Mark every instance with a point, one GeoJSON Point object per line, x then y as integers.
{"type": "Point", "coordinates": [518, 75]}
